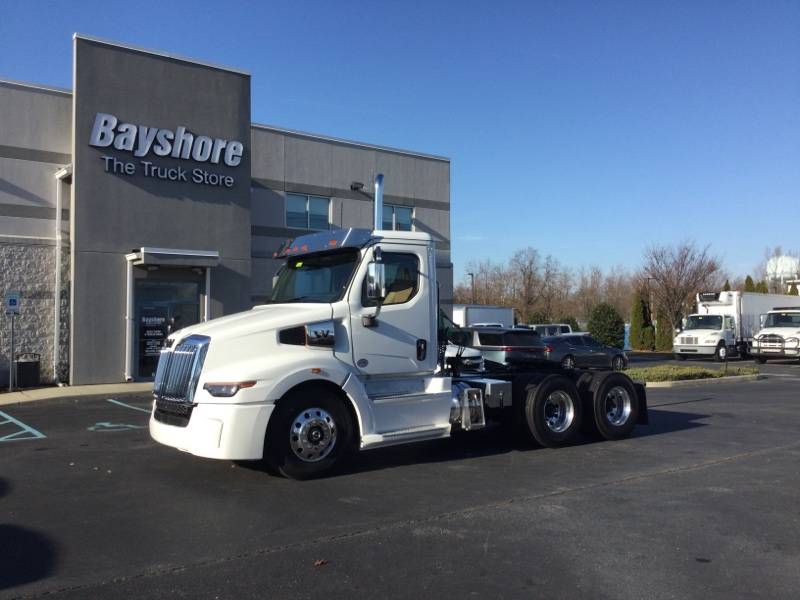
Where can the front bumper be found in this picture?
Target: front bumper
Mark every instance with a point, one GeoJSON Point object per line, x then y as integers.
{"type": "Point", "coordinates": [224, 431]}
{"type": "Point", "coordinates": [694, 350]}
{"type": "Point", "coordinates": [759, 352]}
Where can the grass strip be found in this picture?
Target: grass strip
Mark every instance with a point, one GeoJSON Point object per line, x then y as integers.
{"type": "Point", "coordinates": [674, 373]}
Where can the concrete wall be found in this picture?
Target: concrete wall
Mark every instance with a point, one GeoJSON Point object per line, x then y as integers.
{"type": "Point", "coordinates": [35, 139]}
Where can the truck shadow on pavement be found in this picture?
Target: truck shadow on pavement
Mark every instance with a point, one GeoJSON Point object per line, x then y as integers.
{"type": "Point", "coordinates": [26, 555]}
{"type": "Point", "coordinates": [496, 440]}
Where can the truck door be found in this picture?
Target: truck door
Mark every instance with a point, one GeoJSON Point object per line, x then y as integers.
{"type": "Point", "coordinates": [401, 339]}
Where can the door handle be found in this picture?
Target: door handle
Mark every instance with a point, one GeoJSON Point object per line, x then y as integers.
{"type": "Point", "coordinates": [422, 349]}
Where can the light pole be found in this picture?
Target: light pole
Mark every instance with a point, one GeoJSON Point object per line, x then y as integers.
{"type": "Point", "coordinates": [472, 279]}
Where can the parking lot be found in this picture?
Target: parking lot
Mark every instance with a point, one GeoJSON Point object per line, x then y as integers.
{"type": "Point", "coordinates": [704, 502]}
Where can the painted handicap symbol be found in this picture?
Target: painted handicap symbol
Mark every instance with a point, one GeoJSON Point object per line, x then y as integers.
{"type": "Point", "coordinates": [106, 426]}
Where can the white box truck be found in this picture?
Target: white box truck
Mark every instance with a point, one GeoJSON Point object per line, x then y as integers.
{"type": "Point", "coordinates": [345, 357]}
{"type": "Point", "coordinates": [779, 336]}
{"type": "Point", "coordinates": [476, 315]}
{"type": "Point", "coordinates": [725, 323]}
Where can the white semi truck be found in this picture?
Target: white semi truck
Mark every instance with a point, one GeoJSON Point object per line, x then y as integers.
{"type": "Point", "coordinates": [725, 323]}
{"type": "Point", "coordinates": [779, 336]}
{"type": "Point", "coordinates": [344, 357]}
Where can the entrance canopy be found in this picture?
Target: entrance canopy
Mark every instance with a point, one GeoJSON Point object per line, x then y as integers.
{"type": "Point", "coordinates": [173, 257]}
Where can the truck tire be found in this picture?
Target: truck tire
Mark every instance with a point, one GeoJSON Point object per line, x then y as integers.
{"type": "Point", "coordinates": [615, 405]}
{"type": "Point", "coordinates": [721, 353]}
{"type": "Point", "coordinates": [553, 411]}
{"type": "Point", "coordinates": [309, 433]}
{"type": "Point", "coordinates": [742, 349]}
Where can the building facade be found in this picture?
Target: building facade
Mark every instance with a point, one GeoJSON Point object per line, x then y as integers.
{"type": "Point", "coordinates": [144, 200]}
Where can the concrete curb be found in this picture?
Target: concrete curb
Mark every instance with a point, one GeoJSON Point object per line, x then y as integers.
{"type": "Point", "coordinates": [52, 393]}
{"type": "Point", "coordinates": [707, 381]}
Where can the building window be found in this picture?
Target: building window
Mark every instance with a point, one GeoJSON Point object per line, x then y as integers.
{"type": "Point", "coordinates": [397, 218]}
{"type": "Point", "coordinates": [307, 212]}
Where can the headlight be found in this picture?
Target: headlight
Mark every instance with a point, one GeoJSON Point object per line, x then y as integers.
{"type": "Point", "coordinates": [227, 389]}
{"type": "Point", "coordinates": [792, 341]}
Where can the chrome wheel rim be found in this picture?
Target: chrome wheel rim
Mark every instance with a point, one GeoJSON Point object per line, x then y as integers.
{"type": "Point", "coordinates": [723, 352]}
{"type": "Point", "coordinates": [559, 411]}
{"type": "Point", "coordinates": [312, 435]}
{"type": "Point", "coordinates": [568, 362]}
{"type": "Point", "coordinates": [617, 405]}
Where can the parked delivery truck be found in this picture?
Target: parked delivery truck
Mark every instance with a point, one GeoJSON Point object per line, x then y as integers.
{"type": "Point", "coordinates": [344, 356]}
{"type": "Point", "coordinates": [725, 323]}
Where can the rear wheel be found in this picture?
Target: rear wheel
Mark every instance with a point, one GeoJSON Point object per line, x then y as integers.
{"type": "Point", "coordinates": [553, 411]}
{"type": "Point", "coordinates": [309, 434]}
{"type": "Point", "coordinates": [616, 406]}
{"type": "Point", "coordinates": [568, 362]}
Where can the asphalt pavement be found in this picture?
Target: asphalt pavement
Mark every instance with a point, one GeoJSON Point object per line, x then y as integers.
{"type": "Point", "coordinates": [701, 503]}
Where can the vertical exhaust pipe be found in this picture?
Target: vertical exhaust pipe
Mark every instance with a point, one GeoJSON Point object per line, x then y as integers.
{"type": "Point", "coordinates": [378, 224]}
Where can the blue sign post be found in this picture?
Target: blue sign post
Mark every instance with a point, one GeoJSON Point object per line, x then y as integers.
{"type": "Point", "coordinates": [11, 304]}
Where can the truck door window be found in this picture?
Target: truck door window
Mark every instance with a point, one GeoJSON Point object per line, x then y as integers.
{"type": "Point", "coordinates": [402, 279]}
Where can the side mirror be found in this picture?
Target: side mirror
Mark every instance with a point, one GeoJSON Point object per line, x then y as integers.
{"type": "Point", "coordinates": [761, 320]}
{"type": "Point", "coordinates": [376, 281]}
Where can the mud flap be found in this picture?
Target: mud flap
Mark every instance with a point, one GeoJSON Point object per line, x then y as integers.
{"type": "Point", "coordinates": [641, 394]}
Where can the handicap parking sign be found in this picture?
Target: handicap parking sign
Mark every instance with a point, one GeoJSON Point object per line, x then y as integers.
{"type": "Point", "coordinates": [12, 303]}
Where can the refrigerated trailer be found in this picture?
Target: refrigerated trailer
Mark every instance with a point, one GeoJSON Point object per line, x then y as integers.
{"type": "Point", "coordinates": [725, 323]}
{"type": "Point", "coordinates": [344, 357]}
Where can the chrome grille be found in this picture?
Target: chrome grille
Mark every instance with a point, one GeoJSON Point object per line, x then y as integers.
{"type": "Point", "coordinates": [689, 341]}
{"type": "Point", "coordinates": [179, 369]}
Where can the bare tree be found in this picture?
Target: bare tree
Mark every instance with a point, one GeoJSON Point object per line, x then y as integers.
{"type": "Point", "coordinates": [677, 273]}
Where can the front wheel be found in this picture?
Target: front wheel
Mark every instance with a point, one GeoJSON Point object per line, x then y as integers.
{"type": "Point", "coordinates": [310, 432]}
{"type": "Point", "coordinates": [553, 411]}
{"type": "Point", "coordinates": [721, 355]}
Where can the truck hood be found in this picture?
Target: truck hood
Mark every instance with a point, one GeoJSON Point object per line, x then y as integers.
{"type": "Point", "coordinates": [784, 332]}
{"type": "Point", "coordinates": [699, 333]}
{"type": "Point", "coordinates": [261, 318]}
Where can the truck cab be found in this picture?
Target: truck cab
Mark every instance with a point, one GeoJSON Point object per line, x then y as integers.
{"type": "Point", "coordinates": [779, 336]}
{"type": "Point", "coordinates": [706, 335]}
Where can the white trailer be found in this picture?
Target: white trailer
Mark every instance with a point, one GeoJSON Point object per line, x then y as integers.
{"type": "Point", "coordinates": [725, 323]}
{"type": "Point", "coordinates": [468, 315]}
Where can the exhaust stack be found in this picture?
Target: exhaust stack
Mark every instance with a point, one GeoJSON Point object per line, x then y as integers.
{"type": "Point", "coordinates": [378, 224]}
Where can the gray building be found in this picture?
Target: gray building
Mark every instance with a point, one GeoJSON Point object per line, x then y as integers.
{"type": "Point", "coordinates": [145, 199]}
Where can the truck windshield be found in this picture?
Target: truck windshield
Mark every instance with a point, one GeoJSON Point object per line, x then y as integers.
{"type": "Point", "coordinates": [315, 277]}
{"type": "Point", "coordinates": [704, 322]}
{"type": "Point", "coordinates": [783, 320]}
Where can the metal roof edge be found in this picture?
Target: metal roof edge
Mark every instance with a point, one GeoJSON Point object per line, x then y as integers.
{"type": "Point", "coordinates": [37, 86]}
{"type": "Point", "coordinates": [90, 38]}
{"type": "Point", "coordinates": [327, 138]}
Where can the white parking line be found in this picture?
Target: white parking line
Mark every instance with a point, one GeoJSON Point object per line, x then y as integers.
{"type": "Point", "coordinates": [117, 402]}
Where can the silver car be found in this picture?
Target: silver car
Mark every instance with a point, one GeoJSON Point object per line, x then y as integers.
{"type": "Point", "coordinates": [502, 347]}
{"type": "Point", "coordinates": [582, 351]}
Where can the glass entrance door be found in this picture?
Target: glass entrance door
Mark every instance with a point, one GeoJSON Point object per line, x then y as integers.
{"type": "Point", "coordinates": [161, 308]}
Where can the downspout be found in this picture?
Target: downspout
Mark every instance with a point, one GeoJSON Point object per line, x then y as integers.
{"type": "Point", "coordinates": [378, 221]}
{"type": "Point", "coordinates": [60, 175]}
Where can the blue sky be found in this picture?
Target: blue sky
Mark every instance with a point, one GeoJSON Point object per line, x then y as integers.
{"type": "Point", "coordinates": [586, 129]}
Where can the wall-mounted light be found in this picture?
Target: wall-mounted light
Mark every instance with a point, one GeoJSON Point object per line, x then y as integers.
{"type": "Point", "coordinates": [356, 186]}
